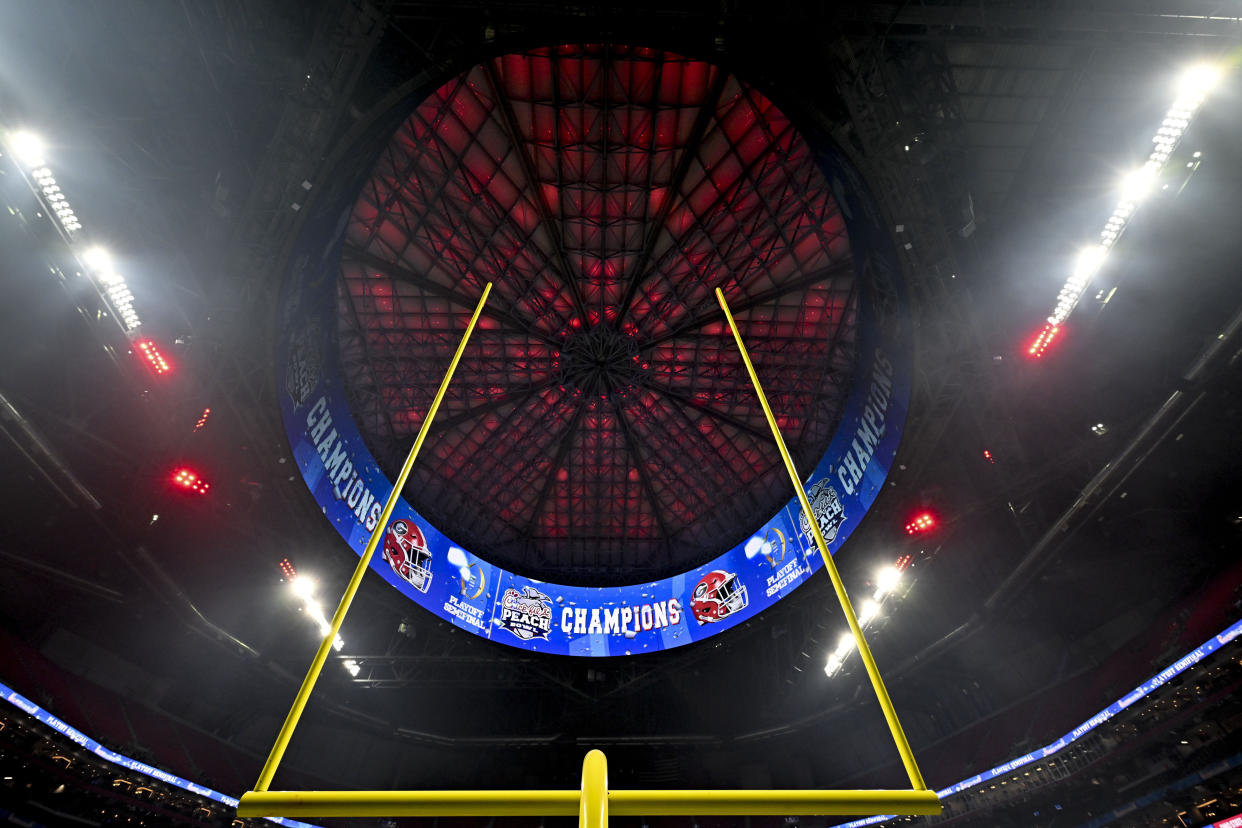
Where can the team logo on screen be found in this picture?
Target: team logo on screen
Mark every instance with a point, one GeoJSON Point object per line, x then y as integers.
{"type": "Point", "coordinates": [470, 576]}
{"type": "Point", "coordinates": [405, 550]}
{"type": "Point", "coordinates": [829, 513]}
{"type": "Point", "coordinates": [770, 546]}
{"type": "Point", "coordinates": [717, 595]}
{"type": "Point", "coordinates": [526, 614]}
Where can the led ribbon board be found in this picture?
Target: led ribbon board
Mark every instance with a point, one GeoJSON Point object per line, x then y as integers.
{"type": "Point", "coordinates": [467, 590]}
{"type": "Point", "coordinates": [1148, 687]}
{"type": "Point", "coordinates": [121, 760]}
{"type": "Point", "coordinates": [1190, 659]}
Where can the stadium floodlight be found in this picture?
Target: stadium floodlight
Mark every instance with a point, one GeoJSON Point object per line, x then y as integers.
{"type": "Point", "coordinates": [834, 664]}
{"type": "Point", "coordinates": [303, 587]}
{"type": "Point", "coordinates": [1138, 183]}
{"type": "Point", "coordinates": [1088, 262]}
{"type": "Point", "coordinates": [1192, 89]}
{"type": "Point", "coordinates": [1197, 81]}
{"type": "Point", "coordinates": [886, 580]}
{"type": "Point", "coordinates": [98, 259]}
{"type": "Point", "coordinates": [352, 666]}
{"type": "Point", "coordinates": [28, 148]}
{"type": "Point", "coordinates": [869, 612]}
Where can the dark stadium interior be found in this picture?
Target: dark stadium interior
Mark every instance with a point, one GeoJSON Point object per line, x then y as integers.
{"type": "Point", "coordinates": [1087, 504]}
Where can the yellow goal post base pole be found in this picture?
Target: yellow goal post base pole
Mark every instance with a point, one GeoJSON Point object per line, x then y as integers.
{"type": "Point", "coordinates": [593, 803]}
{"type": "Point", "coordinates": [338, 618]}
{"type": "Point", "coordinates": [864, 651]}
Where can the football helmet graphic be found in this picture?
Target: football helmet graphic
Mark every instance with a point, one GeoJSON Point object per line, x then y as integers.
{"type": "Point", "coordinates": [405, 549]}
{"type": "Point", "coordinates": [717, 595]}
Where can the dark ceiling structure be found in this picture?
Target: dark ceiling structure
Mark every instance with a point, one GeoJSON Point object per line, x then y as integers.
{"type": "Point", "coordinates": [1068, 563]}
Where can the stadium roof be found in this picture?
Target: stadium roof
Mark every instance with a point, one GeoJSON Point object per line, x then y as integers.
{"type": "Point", "coordinates": [606, 427]}
{"type": "Point", "coordinates": [184, 135]}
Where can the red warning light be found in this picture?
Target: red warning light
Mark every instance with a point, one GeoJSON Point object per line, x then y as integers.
{"type": "Point", "coordinates": [202, 420]}
{"type": "Point", "coordinates": [1042, 340]}
{"type": "Point", "coordinates": [191, 482]}
{"type": "Point", "coordinates": [287, 569]}
{"type": "Point", "coordinates": [987, 455]}
{"type": "Point", "coordinates": [922, 523]}
{"type": "Point", "coordinates": [154, 359]}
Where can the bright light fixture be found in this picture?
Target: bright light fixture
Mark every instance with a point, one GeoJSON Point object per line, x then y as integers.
{"type": "Point", "coordinates": [1193, 86]}
{"type": "Point", "coordinates": [869, 612]}
{"type": "Point", "coordinates": [1138, 183]}
{"type": "Point", "coordinates": [98, 259]}
{"type": "Point", "coordinates": [28, 148]}
{"type": "Point", "coordinates": [845, 645]}
{"type": "Point", "coordinates": [886, 580]}
{"type": "Point", "coordinates": [1198, 80]}
{"type": "Point", "coordinates": [303, 587]}
{"type": "Point", "coordinates": [1088, 262]}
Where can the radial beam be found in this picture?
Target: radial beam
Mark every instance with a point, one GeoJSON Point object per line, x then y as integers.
{"type": "Point", "coordinates": [802, 282]}
{"type": "Point", "coordinates": [516, 396]}
{"type": "Point", "coordinates": [430, 286]}
{"type": "Point", "coordinates": [631, 443]}
{"type": "Point", "coordinates": [510, 125]}
{"type": "Point", "coordinates": [716, 414]}
{"type": "Point", "coordinates": [707, 111]}
{"type": "Point", "coordinates": [562, 451]}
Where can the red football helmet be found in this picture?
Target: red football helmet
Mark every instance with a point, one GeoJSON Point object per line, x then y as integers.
{"type": "Point", "coordinates": [405, 549]}
{"type": "Point", "coordinates": [717, 594]}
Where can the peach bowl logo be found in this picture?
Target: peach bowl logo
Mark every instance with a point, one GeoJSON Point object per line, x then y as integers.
{"type": "Point", "coordinates": [526, 614]}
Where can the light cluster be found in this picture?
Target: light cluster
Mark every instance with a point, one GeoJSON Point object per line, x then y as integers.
{"type": "Point", "coordinates": [113, 284]}
{"type": "Point", "coordinates": [190, 481]}
{"type": "Point", "coordinates": [1135, 187]}
{"type": "Point", "coordinates": [287, 569]}
{"type": "Point", "coordinates": [923, 522]}
{"type": "Point", "coordinates": [202, 421]}
{"type": "Point", "coordinates": [886, 581]}
{"type": "Point", "coordinates": [151, 353]}
{"type": "Point", "coordinates": [304, 589]}
{"type": "Point", "coordinates": [1043, 339]}
{"type": "Point", "coordinates": [28, 149]}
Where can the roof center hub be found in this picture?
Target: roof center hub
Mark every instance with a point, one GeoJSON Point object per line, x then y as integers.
{"type": "Point", "coordinates": [601, 361]}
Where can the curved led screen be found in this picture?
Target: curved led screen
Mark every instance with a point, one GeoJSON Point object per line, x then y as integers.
{"type": "Point", "coordinates": [460, 584]}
